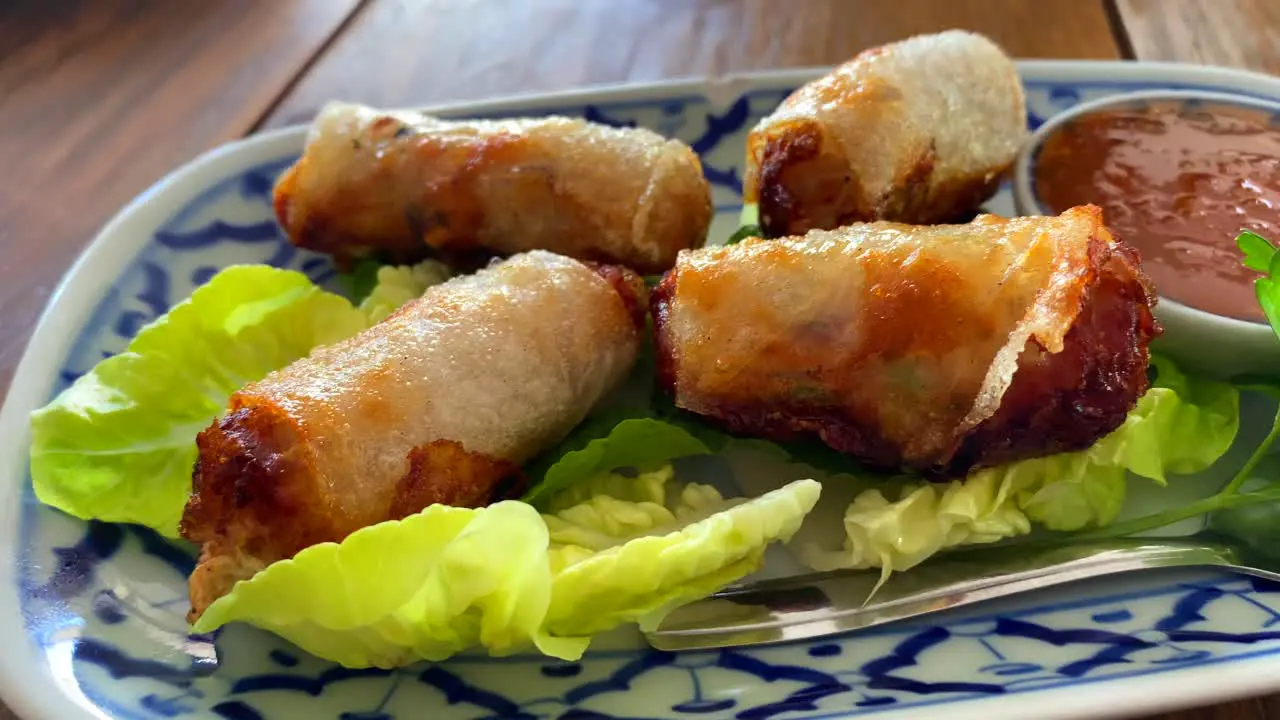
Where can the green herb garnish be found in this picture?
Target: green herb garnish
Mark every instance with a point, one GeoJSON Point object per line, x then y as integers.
{"type": "Point", "coordinates": [1261, 255]}
{"type": "Point", "coordinates": [1258, 251]}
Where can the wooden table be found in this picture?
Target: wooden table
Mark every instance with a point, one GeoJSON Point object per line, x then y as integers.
{"type": "Point", "coordinates": [99, 98]}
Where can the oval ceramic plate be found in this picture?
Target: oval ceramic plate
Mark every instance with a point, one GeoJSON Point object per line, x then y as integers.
{"type": "Point", "coordinates": [93, 613]}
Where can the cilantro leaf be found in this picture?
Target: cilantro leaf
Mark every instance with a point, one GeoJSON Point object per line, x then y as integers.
{"type": "Point", "coordinates": [1259, 253]}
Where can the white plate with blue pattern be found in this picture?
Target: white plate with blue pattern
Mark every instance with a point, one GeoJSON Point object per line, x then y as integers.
{"type": "Point", "coordinates": [93, 613]}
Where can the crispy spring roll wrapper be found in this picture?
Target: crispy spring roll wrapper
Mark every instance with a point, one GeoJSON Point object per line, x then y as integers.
{"type": "Point", "coordinates": [439, 403]}
{"type": "Point", "coordinates": [919, 131]}
{"type": "Point", "coordinates": [933, 349]}
{"type": "Point", "coordinates": [405, 184]}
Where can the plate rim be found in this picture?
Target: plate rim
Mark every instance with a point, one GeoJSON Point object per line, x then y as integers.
{"type": "Point", "coordinates": [27, 684]}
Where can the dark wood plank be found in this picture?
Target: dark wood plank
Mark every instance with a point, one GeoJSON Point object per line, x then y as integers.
{"type": "Point", "coordinates": [100, 99]}
{"type": "Point", "coordinates": [1270, 707]}
{"type": "Point", "coordinates": [400, 52]}
{"type": "Point", "coordinates": [1251, 709]}
{"type": "Point", "coordinates": [1238, 33]}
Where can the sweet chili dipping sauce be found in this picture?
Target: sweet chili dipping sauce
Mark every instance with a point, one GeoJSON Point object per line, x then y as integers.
{"type": "Point", "coordinates": [1178, 180]}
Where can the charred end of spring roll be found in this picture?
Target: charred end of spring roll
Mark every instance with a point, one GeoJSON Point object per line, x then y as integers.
{"type": "Point", "coordinates": [439, 403]}
{"type": "Point", "coordinates": [919, 131]}
{"type": "Point", "coordinates": [405, 185]}
{"type": "Point", "coordinates": [1067, 400]}
{"type": "Point", "coordinates": [932, 349]}
{"type": "Point", "coordinates": [254, 501]}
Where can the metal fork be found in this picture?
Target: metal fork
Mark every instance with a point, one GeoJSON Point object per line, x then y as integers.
{"type": "Point", "coordinates": [819, 604]}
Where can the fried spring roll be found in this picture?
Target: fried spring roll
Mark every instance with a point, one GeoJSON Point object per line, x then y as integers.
{"type": "Point", "coordinates": [439, 403]}
{"type": "Point", "coordinates": [919, 131]}
{"type": "Point", "coordinates": [404, 185]}
{"type": "Point", "coordinates": [933, 349]}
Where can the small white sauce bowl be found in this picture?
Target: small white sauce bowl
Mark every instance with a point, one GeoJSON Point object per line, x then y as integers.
{"type": "Point", "coordinates": [1239, 347]}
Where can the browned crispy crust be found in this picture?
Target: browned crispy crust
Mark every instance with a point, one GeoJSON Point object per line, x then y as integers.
{"type": "Point", "coordinates": [404, 195]}
{"type": "Point", "coordinates": [781, 421]}
{"type": "Point", "coordinates": [252, 497]}
{"type": "Point", "coordinates": [918, 131]}
{"type": "Point", "coordinates": [800, 188]}
{"type": "Point", "coordinates": [630, 288]}
{"type": "Point", "coordinates": [255, 498]}
{"type": "Point", "coordinates": [1057, 401]}
{"type": "Point", "coordinates": [448, 218]}
{"type": "Point", "coordinates": [1066, 401]}
{"type": "Point", "coordinates": [802, 185]}
{"type": "Point", "coordinates": [261, 494]}
{"type": "Point", "coordinates": [444, 472]}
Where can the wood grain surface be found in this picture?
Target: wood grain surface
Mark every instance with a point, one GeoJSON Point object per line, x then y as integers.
{"type": "Point", "coordinates": [1238, 33]}
{"type": "Point", "coordinates": [399, 52]}
{"type": "Point", "coordinates": [98, 99]}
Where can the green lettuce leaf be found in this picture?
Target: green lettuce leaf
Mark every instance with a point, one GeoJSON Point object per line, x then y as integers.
{"type": "Point", "coordinates": [505, 578]}
{"type": "Point", "coordinates": [423, 588]}
{"type": "Point", "coordinates": [646, 487]}
{"type": "Point", "coordinates": [640, 443]}
{"type": "Point", "coordinates": [119, 444]}
{"type": "Point", "coordinates": [617, 562]}
{"type": "Point", "coordinates": [396, 285]}
{"type": "Point", "coordinates": [360, 279]}
{"type": "Point", "coordinates": [1180, 426]}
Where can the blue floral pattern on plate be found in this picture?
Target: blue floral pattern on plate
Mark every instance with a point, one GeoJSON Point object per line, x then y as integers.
{"type": "Point", "coordinates": [105, 603]}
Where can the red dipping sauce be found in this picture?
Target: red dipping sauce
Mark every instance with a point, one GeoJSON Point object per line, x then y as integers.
{"type": "Point", "coordinates": [1178, 180]}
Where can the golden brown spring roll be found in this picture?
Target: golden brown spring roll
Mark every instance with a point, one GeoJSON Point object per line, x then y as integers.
{"type": "Point", "coordinates": [405, 184]}
{"type": "Point", "coordinates": [919, 131]}
{"type": "Point", "coordinates": [439, 403]}
{"type": "Point", "coordinates": [934, 349]}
